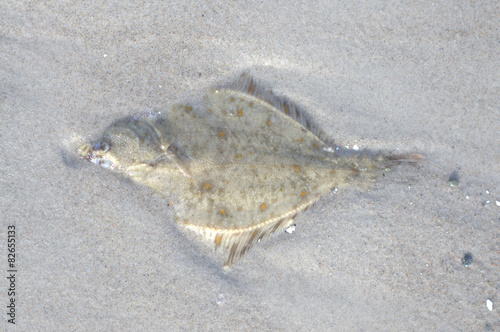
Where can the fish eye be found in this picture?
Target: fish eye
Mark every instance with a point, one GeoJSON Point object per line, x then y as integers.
{"type": "Point", "coordinates": [100, 146]}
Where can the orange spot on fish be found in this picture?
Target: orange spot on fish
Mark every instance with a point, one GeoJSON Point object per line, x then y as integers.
{"type": "Point", "coordinates": [251, 87]}
{"type": "Point", "coordinates": [286, 109]}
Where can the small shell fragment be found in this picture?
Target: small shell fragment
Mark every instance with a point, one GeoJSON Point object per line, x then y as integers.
{"type": "Point", "coordinates": [489, 305]}
{"type": "Point", "coordinates": [290, 229]}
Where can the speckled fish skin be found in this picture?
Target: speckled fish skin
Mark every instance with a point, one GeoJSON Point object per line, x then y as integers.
{"type": "Point", "coordinates": [237, 171]}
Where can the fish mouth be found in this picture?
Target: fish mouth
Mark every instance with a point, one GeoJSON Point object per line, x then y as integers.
{"type": "Point", "coordinates": [96, 154]}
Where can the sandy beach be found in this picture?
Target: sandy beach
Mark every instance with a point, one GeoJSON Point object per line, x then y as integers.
{"type": "Point", "coordinates": [96, 252]}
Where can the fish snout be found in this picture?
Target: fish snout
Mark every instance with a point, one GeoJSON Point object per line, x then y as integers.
{"type": "Point", "coordinates": [95, 153]}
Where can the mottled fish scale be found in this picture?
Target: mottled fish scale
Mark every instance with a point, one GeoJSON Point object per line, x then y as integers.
{"type": "Point", "coordinates": [239, 170]}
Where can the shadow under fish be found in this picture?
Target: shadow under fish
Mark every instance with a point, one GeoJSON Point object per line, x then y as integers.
{"type": "Point", "coordinates": [239, 170]}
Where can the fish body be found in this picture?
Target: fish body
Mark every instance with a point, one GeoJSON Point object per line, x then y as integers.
{"type": "Point", "coordinates": [237, 171]}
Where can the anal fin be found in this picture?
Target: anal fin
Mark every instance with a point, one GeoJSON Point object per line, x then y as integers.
{"type": "Point", "coordinates": [238, 242]}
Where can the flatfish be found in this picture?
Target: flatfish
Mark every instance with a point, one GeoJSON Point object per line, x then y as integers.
{"type": "Point", "coordinates": [237, 170]}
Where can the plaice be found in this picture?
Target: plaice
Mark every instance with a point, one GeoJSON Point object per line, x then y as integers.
{"type": "Point", "coordinates": [238, 170]}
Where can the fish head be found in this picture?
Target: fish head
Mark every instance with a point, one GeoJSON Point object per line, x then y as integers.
{"type": "Point", "coordinates": [123, 145]}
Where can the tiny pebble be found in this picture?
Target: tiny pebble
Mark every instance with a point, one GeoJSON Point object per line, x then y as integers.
{"type": "Point", "coordinates": [497, 203]}
{"type": "Point", "coordinates": [453, 180]}
{"type": "Point", "coordinates": [467, 260]}
{"type": "Point", "coordinates": [489, 305]}
{"type": "Point", "coordinates": [487, 191]}
{"type": "Point", "coordinates": [355, 147]}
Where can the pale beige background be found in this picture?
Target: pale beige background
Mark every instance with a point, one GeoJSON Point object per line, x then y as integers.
{"type": "Point", "coordinates": [97, 253]}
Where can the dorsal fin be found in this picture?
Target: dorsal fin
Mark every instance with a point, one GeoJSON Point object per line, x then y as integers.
{"type": "Point", "coordinates": [249, 85]}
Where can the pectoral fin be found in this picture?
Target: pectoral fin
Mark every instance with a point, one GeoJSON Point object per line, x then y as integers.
{"type": "Point", "coordinates": [169, 149]}
{"type": "Point", "coordinates": [172, 153]}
